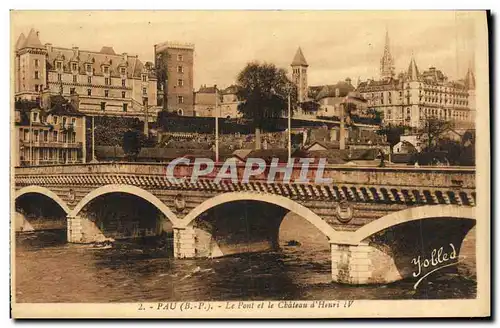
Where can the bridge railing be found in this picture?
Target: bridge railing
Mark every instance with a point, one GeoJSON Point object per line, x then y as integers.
{"type": "Point", "coordinates": [455, 177]}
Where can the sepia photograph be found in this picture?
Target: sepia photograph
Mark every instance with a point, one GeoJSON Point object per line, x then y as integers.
{"type": "Point", "coordinates": [249, 164]}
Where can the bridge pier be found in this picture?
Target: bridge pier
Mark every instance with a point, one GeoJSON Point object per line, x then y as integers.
{"type": "Point", "coordinates": [184, 242]}
{"type": "Point", "coordinates": [351, 264]}
{"type": "Point", "coordinates": [82, 230]}
{"type": "Point", "coordinates": [362, 264]}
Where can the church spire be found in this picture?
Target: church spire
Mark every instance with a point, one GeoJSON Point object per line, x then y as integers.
{"type": "Point", "coordinates": [470, 79]}
{"type": "Point", "coordinates": [299, 59]}
{"type": "Point", "coordinates": [387, 61]}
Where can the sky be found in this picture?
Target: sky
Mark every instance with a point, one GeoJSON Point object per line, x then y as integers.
{"type": "Point", "coordinates": [335, 44]}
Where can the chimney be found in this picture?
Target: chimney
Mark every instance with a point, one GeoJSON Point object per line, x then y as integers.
{"type": "Point", "coordinates": [125, 56]}
{"type": "Point", "coordinates": [76, 51]}
{"type": "Point", "coordinates": [49, 47]}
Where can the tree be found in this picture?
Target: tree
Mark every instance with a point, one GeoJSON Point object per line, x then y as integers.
{"type": "Point", "coordinates": [263, 90]}
{"type": "Point", "coordinates": [376, 115]}
{"type": "Point", "coordinates": [392, 133]}
{"type": "Point", "coordinates": [132, 143]}
{"type": "Point", "coordinates": [310, 106]}
{"type": "Point", "coordinates": [432, 131]}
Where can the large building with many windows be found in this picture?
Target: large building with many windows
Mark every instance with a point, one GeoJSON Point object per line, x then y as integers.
{"type": "Point", "coordinates": [107, 83]}
{"type": "Point", "coordinates": [52, 133]}
{"type": "Point", "coordinates": [175, 85]}
{"type": "Point", "coordinates": [412, 96]}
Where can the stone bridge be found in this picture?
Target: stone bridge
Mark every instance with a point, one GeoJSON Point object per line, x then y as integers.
{"type": "Point", "coordinates": [377, 220]}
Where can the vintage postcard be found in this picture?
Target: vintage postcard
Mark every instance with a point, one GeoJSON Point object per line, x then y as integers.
{"type": "Point", "coordinates": [250, 164]}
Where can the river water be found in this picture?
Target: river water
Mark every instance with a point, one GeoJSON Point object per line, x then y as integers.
{"type": "Point", "coordinates": [50, 270]}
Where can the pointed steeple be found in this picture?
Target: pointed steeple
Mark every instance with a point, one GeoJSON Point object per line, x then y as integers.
{"type": "Point", "coordinates": [387, 61]}
{"type": "Point", "coordinates": [20, 41]}
{"type": "Point", "coordinates": [412, 73]}
{"type": "Point", "coordinates": [299, 59]}
{"type": "Point", "coordinates": [32, 41]}
{"type": "Point", "coordinates": [470, 79]}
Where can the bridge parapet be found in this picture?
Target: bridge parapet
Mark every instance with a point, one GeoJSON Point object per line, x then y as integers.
{"type": "Point", "coordinates": [432, 177]}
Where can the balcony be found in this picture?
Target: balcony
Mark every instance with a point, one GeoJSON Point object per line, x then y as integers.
{"type": "Point", "coordinates": [67, 126]}
{"type": "Point", "coordinates": [52, 144]}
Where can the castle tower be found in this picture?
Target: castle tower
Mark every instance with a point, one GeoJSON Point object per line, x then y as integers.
{"type": "Point", "coordinates": [412, 73]}
{"type": "Point", "coordinates": [31, 66]}
{"type": "Point", "coordinates": [299, 75]}
{"type": "Point", "coordinates": [387, 61]}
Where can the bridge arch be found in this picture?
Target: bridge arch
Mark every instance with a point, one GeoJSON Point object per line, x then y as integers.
{"type": "Point", "coordinates": [127, 189]}
{"type": "Point", "coordinates": [413, 214]}
{"type": "Point", "coordinates": [46, 192]}
{"type": "Point", "coordinates": [277, 200]}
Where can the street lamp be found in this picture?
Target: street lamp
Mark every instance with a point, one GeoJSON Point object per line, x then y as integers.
{"type": "Point", "coordinates": [288, 89]}
{"type": "Point", "coordinates": [94, 160]}
{"type": "Point", "coordinates": [216, 127]}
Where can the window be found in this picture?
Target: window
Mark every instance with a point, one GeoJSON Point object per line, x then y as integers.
{"type": "Point", "coordinates": [59, 77]}
{"type": "Point", "coordinates": [106, 81]}
{"type": "Point", "coordinates": [71, 91]}
{"type": "Point", "coordinates": [88, 68]}
{"type": "Point", "coordinates": [54, 136]}
{"type": "Point", "coordinates": [64, 121]}
{"type": "Point", "coordinates": [26, 135]}
{"type": "Point", "coordinates": [106, 69]}
{"type": "Point", "coordinates": [89, 92]}
{"type": "Point", "coordinates": [35, 136]}
{"type": "Point", "coordinates": [122, 70]}
{"type": "Point", "coordinates": [106, 93]}
{"type": "Point", "coordinates": [144, 78]}
{"type": "Point", "coordinates": [180, 99]}
{"type": "Point", "coordinates": [123, 94]}
{"type": "Point", "coordinates": [73, 66]}
{"type": "Point", "coordinates": [55, 119]}
{"type": "Point", "coordinates": [180, 57]}
{"type": "Point", "coordinates": [37, 63]}
{"type": "Point", "coordinates": [37, 75]}
{"type": "Point", "coordinates": [144, 91]}
{"type": "Point", "coordinates": [75, 78]}
{"type": "Point", "coordinates": [35, 117]}
{"type": "Point", "coordinates": [125, 107]}
{"type": "Point", "coordinates": [58, 65]}
{"type": "Point", "coordinates": [180, 69]}
{"type": "Point", "coordinates": [103, 106]}
{"type": "Point", "coordinates": [89, 80]}
{"type": "Point", "coordinates": [45, 136]}
{"type": "Point", "coordinates": [36, 87]}
{"type": "Point", "coordinates": [123, 83]}
{"type": "Point", "coordinates": [180, 82]}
